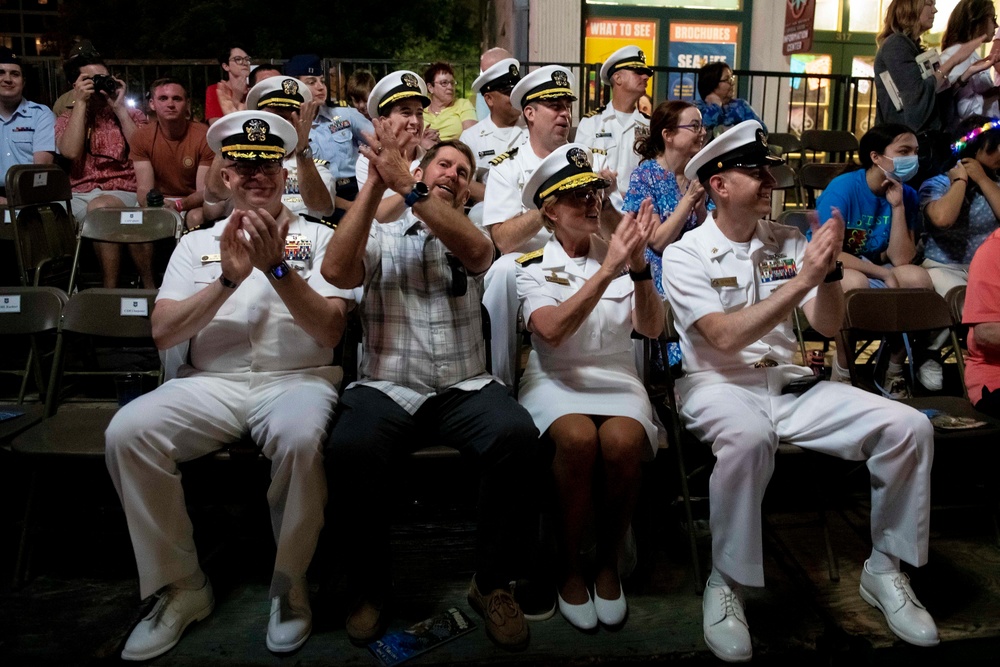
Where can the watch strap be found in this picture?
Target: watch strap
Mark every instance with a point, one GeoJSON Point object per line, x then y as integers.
{"type": "Point", "coordinates": [280, 271]}
{"type": "Point", "coordinates": [227, 283]}
{"type": "Point", "coordinates": [835, 275]}
{"type": "Point", "coordinates": [645, 274]}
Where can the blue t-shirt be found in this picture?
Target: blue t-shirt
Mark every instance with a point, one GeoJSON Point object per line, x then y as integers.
{"type": "Point", "coordinates": [867, 217]}
{"type": "Point", "coordinates": [958, 243]}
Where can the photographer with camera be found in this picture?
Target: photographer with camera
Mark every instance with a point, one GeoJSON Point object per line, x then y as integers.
{"type": "Point", "coordinates": [94, 135]}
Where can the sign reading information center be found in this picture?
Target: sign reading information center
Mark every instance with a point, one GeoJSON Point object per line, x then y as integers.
{"type": "Point", "coordinates": [605, 36]}
{"type": "Point", "coordinates": [694, 45]}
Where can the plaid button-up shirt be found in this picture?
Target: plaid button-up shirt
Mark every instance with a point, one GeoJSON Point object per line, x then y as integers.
{"type": "Point", "coordinates": [419, 339]}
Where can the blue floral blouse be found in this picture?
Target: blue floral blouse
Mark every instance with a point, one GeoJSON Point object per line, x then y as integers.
{"type": "Point", "coordinates": [732, 113]}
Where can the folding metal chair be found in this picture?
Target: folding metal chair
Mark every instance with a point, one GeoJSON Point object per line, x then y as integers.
{"type": "Point", "coordinates": [78, 435]}
{"type": "Point", "coordinates": [838, 145]}
{"type": "Point", "coordinates": [39, 203]}
{"type": "Point", "coordinates": [815, 177]}
{"type": "Point", "coordinates": [125, 225]}
{"type": "Point", "coordinates": [25, 314]}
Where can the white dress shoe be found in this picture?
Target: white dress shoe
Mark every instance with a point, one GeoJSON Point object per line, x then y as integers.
{"type": "Point", "coordinates": [291, 620]}
{"type": "Point", "coordinates": [726, 632]}
{"type": "Point", "coordinates": [162, 628]}
{"type": "Point", "coordinates": [611, 612]}
{"type": "Point", "coordinates": [581, 616]}
{"type": "Point", "coordinates": [892, 595]}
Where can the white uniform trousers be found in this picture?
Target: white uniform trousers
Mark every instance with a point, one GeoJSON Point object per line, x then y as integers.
{"type": "Point", "coordinates": [286, 413]}
{"type": "Point", "coordinates": [745, 419]}
{"type": "Point", "coordinates": [500, 299]}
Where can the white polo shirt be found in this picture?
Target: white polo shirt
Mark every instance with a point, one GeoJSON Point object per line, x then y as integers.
{"type": "Point", "coordinates": [704, 273]}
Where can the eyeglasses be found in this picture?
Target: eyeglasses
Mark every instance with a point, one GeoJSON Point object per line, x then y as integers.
{"type": "Point", "coordinates": [242, 60]}
{"type": "Point", "coordinates": [730, 79]}
{"type": "Point", "coordinates": [447, 83]}
{"type": "Point", "coordinates": [697, 128]}
{"type": "Point", "coordinates": [248, 169]}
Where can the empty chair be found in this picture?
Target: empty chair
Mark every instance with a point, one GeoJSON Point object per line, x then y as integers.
{"type": "Point", "coordinates": [38, 202]}
{"type": "Point", "coordinates": [838, 145]}
{"type": "Point", "coordinates": [125, 225]}
{"type": "Point", "coordinates": [814, 177]}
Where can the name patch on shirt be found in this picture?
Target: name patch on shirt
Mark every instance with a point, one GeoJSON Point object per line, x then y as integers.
{"type": "Point", "coordinates": [777, 268]}
{"type": "Point", "coordinates": [24, 129]}
{"type": "Point", "coordinates": [728, 281]}
{"type": "Point", "coordinates": [485, 153]}
{"type": "Point", "coordinates": [603, 135]}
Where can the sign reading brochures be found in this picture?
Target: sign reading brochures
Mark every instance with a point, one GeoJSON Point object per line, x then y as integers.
{"type": "Point", "coordinates": [694, 45]}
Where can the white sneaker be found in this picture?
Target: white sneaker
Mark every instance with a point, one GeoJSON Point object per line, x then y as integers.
{"type": "Point", "coordinates": [725, 624]}
{"type": "Point", "coordinates": [162, 628]}
{"type": "Point", "coordinates": [291, 620]}
{"type": "Point", "coordinates": [931, 375]}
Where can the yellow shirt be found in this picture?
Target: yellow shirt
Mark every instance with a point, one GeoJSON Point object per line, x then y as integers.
{"type": "Point", "coordinates": [448, 123]}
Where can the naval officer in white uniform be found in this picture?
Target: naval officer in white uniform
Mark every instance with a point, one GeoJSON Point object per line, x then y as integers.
{"type": "Point", "coordinates": [733, 284]}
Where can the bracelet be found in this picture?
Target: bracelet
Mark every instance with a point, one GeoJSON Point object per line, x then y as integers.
{"type": "Point", "coordinates": [645, 274]}
{"type": "Point", "coordinates": [226, 282]}
{"type": "Point", "coordinates": [178, 205]}
{"type": "Point", "coordinates": [963, 180]}
{"type": "Point", "coordinates": [214, 203]}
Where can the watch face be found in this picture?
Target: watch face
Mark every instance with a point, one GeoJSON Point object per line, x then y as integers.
{"type": "Point", "coordinates": [421, 189]}
{"type": "Point", "coordinates": [280, 271]}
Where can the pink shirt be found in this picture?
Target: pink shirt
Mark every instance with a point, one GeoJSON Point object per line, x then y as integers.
{"type": "Point", "coordinates": [982, 304]}
{"type": "Point", "coordinates": [105, 163]}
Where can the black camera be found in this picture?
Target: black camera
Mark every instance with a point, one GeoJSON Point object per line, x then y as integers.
{"type": "Point", "coordinates": [106, 83]}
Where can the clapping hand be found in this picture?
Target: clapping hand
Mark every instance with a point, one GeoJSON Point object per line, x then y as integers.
{"type": "Point", "coordinates": [385, 158]}
{"type": "Point", "coordinates": [264, 238]}
{"type": "Point", "coordinates": [821, 254]}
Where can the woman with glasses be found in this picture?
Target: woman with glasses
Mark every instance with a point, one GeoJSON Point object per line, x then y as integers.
{"type": "Point", "coordinates": [581, 298]}
{"type": "Point", "coordinates": [446, 115]}
{"type": "Point", "coordinates": [720, 108]}
{"type": "Point", "coordinates": [904, 94]}
{"type": "Point", "coordinates": [229, 94]}
{"type": "Point", "coordinates": [972, 77]}
{"type": "Point", "coordinates": [676, 134]}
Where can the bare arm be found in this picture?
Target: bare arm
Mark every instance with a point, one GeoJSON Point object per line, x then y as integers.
{"type": "Point", "coordinates": [177, 321]}
{"type": "Point", "coordinates": [647, 316]}
{"type": "Point", "coordinates": [145, 179]}
{"type": "Point", "coordinates": [943, 212]}
{"type": "Point", "coordinates": [670, 230]}
{"type": "Point", "coordinates": [216, 197]}
{"type": "Point", "coordinates": [121, 110]}
{"type": "Point", "coordinates": [196, 198]}
{"type": "Point", "coordinates": [989, 188]}
{"type": "Point", "coordinates": [70, 142]}
{"type": "Point", "coordinates": [344, 261]}
{"type": "Point", "coordinates": [510, 235]}
{"type": "Point", "coordinates": [987, 335]}
{"type": "Point", "coordinates": [315, 193]}
{"type": "Point", "coordinates": [902, 248]}
{"type": "Point", "coordinates": [42, 157]}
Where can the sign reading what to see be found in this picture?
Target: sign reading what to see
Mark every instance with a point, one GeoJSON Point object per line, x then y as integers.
{"type": "Point", "coordinates": [135, 307]}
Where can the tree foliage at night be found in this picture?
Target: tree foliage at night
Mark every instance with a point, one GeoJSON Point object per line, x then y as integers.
{"type": "Point", "coordinates": [412, 30]}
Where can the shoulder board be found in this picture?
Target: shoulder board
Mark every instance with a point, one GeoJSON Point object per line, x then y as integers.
{"type": "Point", "coordinates": [326, 222]}
{"type": "Point", "coordinates": [595, 112]}
{"type": "Point", "coordinates": [503, 156]}
{"type": "Point", "coordinates": [599, 151]}
{"type": "Point", "coordinates": [530, 257]}
{"type": "Point", "coordinates": [204, 225]}
{"type": "Point", "coordinates": [321, 163]}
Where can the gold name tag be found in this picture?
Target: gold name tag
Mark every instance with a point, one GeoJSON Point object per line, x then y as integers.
{"type": "Point", "coordinates": [729, 281]}
{"type": "Point", "coordinates": [211, 258]}
{"type": "Point", "coordinates": [553, 278]}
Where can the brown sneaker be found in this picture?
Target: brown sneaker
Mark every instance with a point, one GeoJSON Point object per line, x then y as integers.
{"type": "Point", "coordinates": [505, 622]}
{"type": "Point", "coordinates": [366, 622]}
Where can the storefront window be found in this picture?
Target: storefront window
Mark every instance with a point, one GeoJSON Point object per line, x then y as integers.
{"type": "Point", "coordinates": [827, 15]}
{"type": "Point", "coordinates": [670, 4]}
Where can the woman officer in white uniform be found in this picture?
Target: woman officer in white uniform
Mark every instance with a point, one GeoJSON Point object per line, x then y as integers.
{"type": "Point", "coordinates": [581, 298]}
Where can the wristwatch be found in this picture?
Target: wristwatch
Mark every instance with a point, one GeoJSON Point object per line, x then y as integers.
{"type": "Point", "coordinates": [419, 191]}
{"type": "Point", "coordinates": [836, 274]}
{"type": "Point", "coordinates": [280, 271]}
{"type": "Point", "coordinates": [645, 274]}
{"type": "Point", "coordinates": [306, 153]}
{"type": "Point", "coordinates": [227, 283]}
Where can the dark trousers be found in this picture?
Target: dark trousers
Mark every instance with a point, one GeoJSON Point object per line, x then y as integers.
{"type": "Point", "coordinates": [487, 426]}
{"type": "Point", "coordinates": [990, 402]}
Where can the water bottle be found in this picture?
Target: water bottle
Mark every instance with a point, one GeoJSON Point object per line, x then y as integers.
{"type": "Point", "coordinates": [154, 198]}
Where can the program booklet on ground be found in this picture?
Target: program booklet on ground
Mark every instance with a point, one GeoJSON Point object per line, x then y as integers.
{"type": "Point", "coordinates": [10, 413]}
{"type": "Point", "coordinates": [397, 647]}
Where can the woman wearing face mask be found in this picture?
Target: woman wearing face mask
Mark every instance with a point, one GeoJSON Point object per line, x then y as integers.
{"type": "Point", "coordinates": [882, 221]}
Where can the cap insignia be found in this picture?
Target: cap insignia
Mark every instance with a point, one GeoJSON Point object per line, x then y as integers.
{"type": "Point", "coordinates": [512, 70]}
{"type": "Point", "coordinates": [290, 87]}
{"type": "Point", "coordinates": [410, 80]}
{"type": "Point", "coordinates": [560, 79]}
{"type": "Point", "coordinates": [642, 56]}
{"type": "Point", "coordinates": [578, 157]}
{"type": "Point", "coordinates": [762, 138]}
{"type": "Point", "coordinates": [256, 129]}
